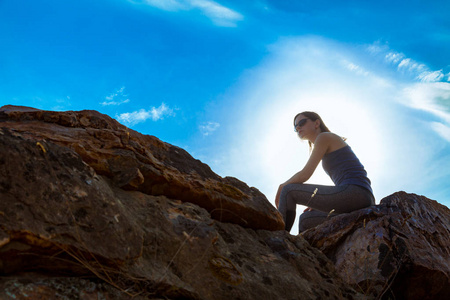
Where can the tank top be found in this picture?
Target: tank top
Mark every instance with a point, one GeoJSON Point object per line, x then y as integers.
{"type": "Point", "coordinates": [345, 168]}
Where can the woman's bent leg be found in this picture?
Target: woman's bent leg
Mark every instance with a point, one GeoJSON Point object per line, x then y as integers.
{"type": "Point", "coordinates": [327, 199]}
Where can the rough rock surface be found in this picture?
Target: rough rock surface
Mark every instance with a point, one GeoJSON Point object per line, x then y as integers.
{"type": "Point", "coordinates": [398, 249]}
{"type": "Point", "coordinates": [92, 210]}
{"type": "Point", "coordinates": [134, 161]}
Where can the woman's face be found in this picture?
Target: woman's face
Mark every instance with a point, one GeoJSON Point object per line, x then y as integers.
{"type": "Point", "coordinates": [303, 125]}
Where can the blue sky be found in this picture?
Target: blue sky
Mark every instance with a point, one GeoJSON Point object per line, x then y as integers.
{"type": "Point", "coordinates": [223, 79]}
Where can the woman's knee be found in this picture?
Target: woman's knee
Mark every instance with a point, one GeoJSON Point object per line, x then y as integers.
{"type": "Point", "coordinates": [295, 193]}
{"type": "Point", "coordinates": [284, 205]}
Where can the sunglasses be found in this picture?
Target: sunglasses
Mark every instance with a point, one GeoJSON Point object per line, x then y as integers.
{"type": "Point", "coordinates": [300, 124]}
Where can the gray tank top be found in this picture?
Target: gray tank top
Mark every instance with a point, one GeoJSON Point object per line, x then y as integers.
{"type": "Point", "coordinates": [345, 168]}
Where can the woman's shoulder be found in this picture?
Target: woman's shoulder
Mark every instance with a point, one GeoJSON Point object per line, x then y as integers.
{"type": "Point", "coordinates": [330, 136]}
{"type": "Point", "coordinates": [334, 142]}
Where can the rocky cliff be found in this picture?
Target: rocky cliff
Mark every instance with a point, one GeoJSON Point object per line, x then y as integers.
{"type": "Point", "coordinates": [90, 209]}
{"type": "Point", "coordinates": [93, 210]}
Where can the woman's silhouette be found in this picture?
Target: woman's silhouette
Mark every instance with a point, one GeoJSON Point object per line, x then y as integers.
{"type": "Point", "coordinates": [352, 190]}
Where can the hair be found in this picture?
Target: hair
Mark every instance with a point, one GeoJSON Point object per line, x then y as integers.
{"type": "Point", "coordinates": [313, 117]}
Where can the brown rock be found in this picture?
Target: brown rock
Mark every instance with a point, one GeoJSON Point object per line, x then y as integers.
{"type": "Point", "coordinates": [144, 163]}
{"type": "Point", "coordinates": [49, 193]}
{"type": "Point", "coordinates": [400, 248]}
{"type": "Point", "coordinates": [36, 286]}
{"type": "Point", "coordinates": [68, 233]}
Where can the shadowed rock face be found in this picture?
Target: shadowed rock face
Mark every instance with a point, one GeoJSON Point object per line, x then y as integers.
{"type": "Point", "coordinates": [92, 210]}
{"type": "Point", "coordinates": [400, 247]}
{"type": "Point", "coordinates": [144, 163]}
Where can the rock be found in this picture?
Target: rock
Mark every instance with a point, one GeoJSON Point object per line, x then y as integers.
{"type": "Point", "coordinates": [144, 163]}
{"type": "Point", "coordinates": [399, 248]}
{"type": "Point", "coordinates": [49, 193]}
{"type": "Point", "coordinates": [36, 286]}
{"type": "Point", "coordinates": [79, 220]}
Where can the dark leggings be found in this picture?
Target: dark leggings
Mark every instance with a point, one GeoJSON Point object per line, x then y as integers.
{"type": "Point", "coordinates": [326, 202]}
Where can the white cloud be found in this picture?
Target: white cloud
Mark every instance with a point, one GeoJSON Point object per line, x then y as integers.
{"type": "Point", "coordinates": [208, 128]}
{"type": "Point", "coordinates": [355, 68]}
{"type": "Point", "coordinates": [117, 93]}
{"type": "Point", "coordinates": [106, 103]}
{"type": "Point", "coordinates": [170, 5]}
{"type": "Point", "coordinates": [442, 129]}
{"type": "Point", "coordinates": [116, 98]}
{"type": "Point", "coordinates": [428, 76]}
{"type": "Point", "coordinates": [433, 97]}
{"type": "Point", "coordinates": [219, 14]}
{"type": "Point", "coordinates": [394, 57]}
{"type": "Point", "coordinates": [417, 70]}
{"type": "Point", "coordinates": [155, 114]}
{"type": "Point", "coordinates": [407, 63]}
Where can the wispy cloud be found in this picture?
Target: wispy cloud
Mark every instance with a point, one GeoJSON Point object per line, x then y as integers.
{"type": "Point", "coordinates": [170, 5]}
{"type": "Point", "coordinates": [355, 68]}
{"type": "Point", "coordinates": [154, 114]}
{"type": "Point", "coordinates": [431, 76]}
{"type": "Point", "coordinates": [405, 64]}
{"type": "Point", "coordinates": [106, 103]}
{"type": "Point", "coordinates": [442, 129]}
{"type": "Point", "coordinates": [429, 92]}
{"type": "Point", "coordinates": [116, 98]}
{"type": "Point", "coordinates": [208, 128]}
{"type": "Point", "coordinates": [431, 97]}
{"type": "Point", "coordinates": [217, 13]}
{"type": "Point", "coordinates": [61, 103]}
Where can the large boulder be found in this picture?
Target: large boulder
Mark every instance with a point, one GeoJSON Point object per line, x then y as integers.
{"type": "Point", "coordinates": [399, 249]}
{"type": "Point", "coordinates": [144, 163]}
{"type": "Point", "coordinates": [92, 210]}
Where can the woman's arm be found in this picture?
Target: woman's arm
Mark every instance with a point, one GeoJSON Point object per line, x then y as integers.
{"type": "Point", "coordinates": [321, 146]}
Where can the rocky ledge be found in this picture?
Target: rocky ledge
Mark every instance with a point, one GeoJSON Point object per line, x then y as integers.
{"type": "Point", "coordinates": [399, 249]}
{"type": "Point", "coordinates": [91, 209]}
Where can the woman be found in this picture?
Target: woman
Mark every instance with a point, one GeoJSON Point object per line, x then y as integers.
{"type": "Point", "coordinates": [352, 190]}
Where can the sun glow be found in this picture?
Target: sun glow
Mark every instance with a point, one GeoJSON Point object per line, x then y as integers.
{"type": "Point", "coordinates": [354, 102]}
{"type": "Point", "coordinates": [293, 85]}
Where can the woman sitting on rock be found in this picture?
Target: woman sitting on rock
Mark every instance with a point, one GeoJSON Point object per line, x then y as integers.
{"type": "Point", "coordinates": [352, 190]}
